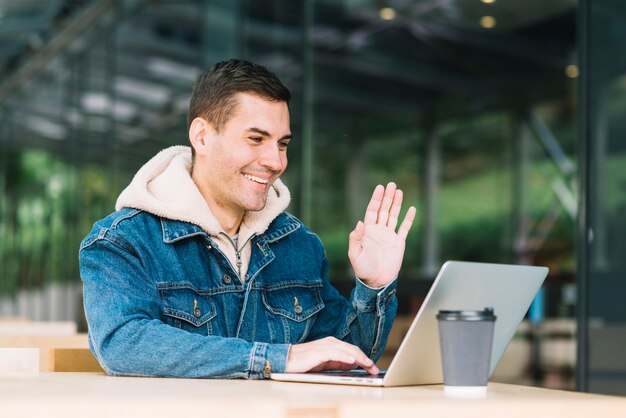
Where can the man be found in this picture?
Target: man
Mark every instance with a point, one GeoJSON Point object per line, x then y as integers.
{"type": "Point", "coordinates": [202, 273]}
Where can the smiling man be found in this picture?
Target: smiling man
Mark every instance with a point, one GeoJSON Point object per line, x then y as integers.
{"type": "Point", "coordinates": [201, 273]}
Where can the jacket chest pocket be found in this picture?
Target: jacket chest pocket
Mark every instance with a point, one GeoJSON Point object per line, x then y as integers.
{"type": "Point", "coordinates": [291, 311]}
{"type": "Point", "coordinates": [187, 308]}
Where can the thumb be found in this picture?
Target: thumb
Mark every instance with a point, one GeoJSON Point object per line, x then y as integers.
{"type": "Point", "coordinates": [354, 240]}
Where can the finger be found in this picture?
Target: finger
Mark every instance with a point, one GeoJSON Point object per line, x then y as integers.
{"type": "Point", "coordinates": [361, 359]}
{"type": "Point", "coordinates": [395, 210]}
{"type": "Point", "coordinates": [354, 240]}
{"type": "Point", "coordinates": [383, 212]}
{"type": "Point", "coordinates": [407, 222]}
{"type": "Point", "coordinates": [334, 365]}
{"type": "Point", "coordinates": [373, 370]}
{"type": "Point", "coordinates": [371, 213]}
{"type": "Point", "coordinates": [343, 366]}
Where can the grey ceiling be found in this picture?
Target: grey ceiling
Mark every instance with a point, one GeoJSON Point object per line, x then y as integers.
{"type": "Point", "coordinates": [117, 74]}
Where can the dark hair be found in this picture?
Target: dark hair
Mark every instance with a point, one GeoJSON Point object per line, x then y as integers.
{"type": "Point", "coordinates": [213, 96]}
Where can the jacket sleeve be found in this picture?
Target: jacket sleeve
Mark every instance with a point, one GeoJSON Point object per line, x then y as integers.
{"type": "Point", "coordinates": [365, 320]}
{"type": "Point", "coordinates": [127, 336]}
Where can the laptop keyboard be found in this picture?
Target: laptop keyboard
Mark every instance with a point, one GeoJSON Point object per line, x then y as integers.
{"type": "Point", "coordinates": [352, 373]}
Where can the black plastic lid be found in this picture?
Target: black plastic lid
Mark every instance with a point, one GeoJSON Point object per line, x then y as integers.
{"type": "Point", "coordinates": [484, 315]}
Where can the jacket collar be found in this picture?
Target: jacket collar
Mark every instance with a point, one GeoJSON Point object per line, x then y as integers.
{"type": "Point", "coordinates": [284, 224]}
{"type": "Point", "coordinates": [174, 231]}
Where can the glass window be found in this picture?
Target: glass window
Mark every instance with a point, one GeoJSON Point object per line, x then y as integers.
{"type": "Point", "coordinates": [603, 284]}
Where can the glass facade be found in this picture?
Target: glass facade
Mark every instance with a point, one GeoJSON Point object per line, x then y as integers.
{"type": "Point", "coordinates": [470, 106]}
{"type": "Point", "coordinates": [602, 284]}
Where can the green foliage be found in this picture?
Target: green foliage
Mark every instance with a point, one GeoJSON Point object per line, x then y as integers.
{"type": "Point", "coordinates": [47, 208]}
{"type": "Point", "coordinates": [475, 222]}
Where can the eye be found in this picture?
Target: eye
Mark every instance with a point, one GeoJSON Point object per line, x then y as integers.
{"type": "Point", "coordinates": [283, 145]}
{"type": "Point", "coordinates": [256, 139]}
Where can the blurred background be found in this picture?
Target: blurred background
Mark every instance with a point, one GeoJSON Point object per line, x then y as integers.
{"type": "Point", "coordinates": [502, 120]}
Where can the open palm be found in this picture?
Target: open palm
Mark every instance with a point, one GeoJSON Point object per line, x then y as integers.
{"type": "Point", "coordinates": [375, 249]}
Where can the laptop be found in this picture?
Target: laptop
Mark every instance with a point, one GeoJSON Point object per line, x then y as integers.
{"type": "Point", "coordinates": [508, 289]}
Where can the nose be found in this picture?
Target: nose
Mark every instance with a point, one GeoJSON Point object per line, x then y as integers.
{"type": "Point", "coordinates": [273, 158]}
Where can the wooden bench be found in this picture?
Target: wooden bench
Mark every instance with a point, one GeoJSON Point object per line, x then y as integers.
{"type": "Point", "coordinates": [44, 343]}
{"type": "Point", "coordinates": [72, 360]}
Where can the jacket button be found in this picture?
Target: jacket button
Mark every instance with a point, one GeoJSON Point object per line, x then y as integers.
{"type": "Point", "coordinates": [267, 370]}
{"type": "Point", "coordinates": [296, 306]}
{"type": "Point", "coordinates": [227, 279]}
{"type": "Point", "coordinates": [196, 310]}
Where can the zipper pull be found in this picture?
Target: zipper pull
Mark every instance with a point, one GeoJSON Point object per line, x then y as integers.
{"type": "Point", "coordinates": [238, 262]}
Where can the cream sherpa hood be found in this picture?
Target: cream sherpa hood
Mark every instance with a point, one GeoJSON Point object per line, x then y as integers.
{"type": "Point", "coordinates": [163, 187]}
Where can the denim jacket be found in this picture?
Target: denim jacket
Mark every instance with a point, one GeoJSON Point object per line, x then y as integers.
{"type": "Point", "coordinates": [162, 300]}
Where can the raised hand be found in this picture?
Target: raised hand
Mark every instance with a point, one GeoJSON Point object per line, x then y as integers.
{"type": "Point", "coordinates": [375, 248]}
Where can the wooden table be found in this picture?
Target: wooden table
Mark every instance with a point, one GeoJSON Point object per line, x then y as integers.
{"type": "Point", "coordinates": [95, 395]}
{"type": "Point", "coordinates": [45, 344]}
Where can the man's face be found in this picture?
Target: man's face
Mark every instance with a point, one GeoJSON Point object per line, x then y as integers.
{"type": "Point", "coordinates": [244, 159]}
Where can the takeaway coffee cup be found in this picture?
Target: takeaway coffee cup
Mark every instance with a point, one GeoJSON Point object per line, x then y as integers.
{"type": "Point", "coordinates": [466, 338]}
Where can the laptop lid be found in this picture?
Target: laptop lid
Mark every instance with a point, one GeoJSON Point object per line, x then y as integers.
{"type": "Point", "coordinates": [509, 289]}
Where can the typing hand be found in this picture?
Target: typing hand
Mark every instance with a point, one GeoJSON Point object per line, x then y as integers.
{"type": "Point", "coordinates": [327, 354]}
{"type": "Point", "coordinates": [375, 248]}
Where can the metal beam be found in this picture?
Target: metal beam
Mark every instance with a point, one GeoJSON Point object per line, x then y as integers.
{"type": "Point", "coordinates": [551, 145]}
{"type": "Point", "coordinates": [77, 26]}
{"type": "Point", "coordinates": [308, 115]}
{"type": "Point", "coordinates": [12, 26]}
{"type": "Point", "coordinates": [431, 170]}
{"type": "Point", "coordinates": [520, 147]}
{"type": "Point", "coordinates": [411, 74]}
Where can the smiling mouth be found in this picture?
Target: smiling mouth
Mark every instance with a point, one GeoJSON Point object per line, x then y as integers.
{"type": "Point", "coordinates": [256, 179]}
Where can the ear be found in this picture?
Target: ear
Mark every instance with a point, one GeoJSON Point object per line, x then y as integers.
{"type": "Point", "coordinates": [198, 131]}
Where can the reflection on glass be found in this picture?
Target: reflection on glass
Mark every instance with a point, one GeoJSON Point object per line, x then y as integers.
{"type": "Point", "coordinates": [476, 126]}
{"type": "Point", "coordinates": [605, 320]}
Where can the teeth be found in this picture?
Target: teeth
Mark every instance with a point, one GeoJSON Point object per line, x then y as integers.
{"type": "Point", "coordinates": [257, 179]}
